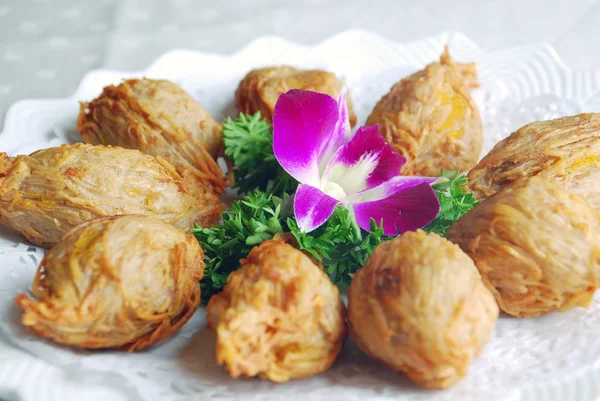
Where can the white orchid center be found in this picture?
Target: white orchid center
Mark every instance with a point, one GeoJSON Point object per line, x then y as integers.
{"type": "Point", "coordinates": [334, 190]}
{"type": "Point", "coordinates": [342, 180]}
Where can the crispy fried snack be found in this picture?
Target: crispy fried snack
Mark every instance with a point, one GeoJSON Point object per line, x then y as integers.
{"type": "Point", "coordinates": [565, 151]}
{"type": "Point", "coordinates": [158, 118]}
{"type": "Point", "coordinates": [536, 245]}
{"type": "Point", "coordinates": [279, 317]}
{"type": "Point", "coordinates": [419, 306]}
{"type": "Point", "coordinates": [431, 120]}
{"type": "Point", "coordinates": [116, 282]}
{"type": "Point", "coordinates": [46, 194]}
{"type": "Point", "coordinates": [260, 89]}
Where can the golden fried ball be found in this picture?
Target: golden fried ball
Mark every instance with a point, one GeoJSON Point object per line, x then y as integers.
{"type": "Point", "coordinates": [49, 192]}
{"type": "Point", "coordinates": [564, 151]}
{"type": "Point", "coordinates": [260, 89]}
{"type": "Point", "coordinates": [158, 118]}
{"type": "Point", "coordinates": [536, 245]}
{"type": "Point", "coordinates": [419, 306]}
{"type": "Point", "coordinates": [279, 317]}
{"type": "Point", "coordinates": [116, 282]}
{"type": "Point", "coordinates": [431, 120]}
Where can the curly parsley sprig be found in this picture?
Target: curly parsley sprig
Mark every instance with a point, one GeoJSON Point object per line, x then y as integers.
{"type": "Point", "coordinates": [339, 244]}
{"type": "Point", "coordinates": [455, 201]}
{"type": "Point", "coordinates": [250, 221]}
{"type": "Point", "coordinates": [249, 145]}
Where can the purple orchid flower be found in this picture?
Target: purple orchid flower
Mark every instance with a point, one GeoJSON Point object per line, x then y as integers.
{"type": "Point", "coordinates": [313, 142]}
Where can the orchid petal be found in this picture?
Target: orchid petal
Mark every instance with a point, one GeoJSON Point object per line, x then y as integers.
{"type": "Point", "coordinates": [306, 128]}
{"type": "Point", "coordinates": [312, 207]}
{"type": "Point", "coordinates": [363, 163]}
{"type": "Point", "coordinates": [343, 125]}
{"type": "Point", "coordinates": [408, 209]}
{"type": "Point", "coordinates": [342, 133]}
{"type": "Point", "coordinates": [389, 188]}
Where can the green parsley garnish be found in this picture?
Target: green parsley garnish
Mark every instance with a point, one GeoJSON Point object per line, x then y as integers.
{"type": "Point", "coordinates": [250, 221]}
{"type": "Point", "coordinates": [339, 244]}
{"type": "Point", "coordinates": [249, 145]}
{"type": "Point", "coordinates": [455, 201]}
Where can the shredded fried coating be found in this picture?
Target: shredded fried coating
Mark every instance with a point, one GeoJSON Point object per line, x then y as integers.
{"type": "Point", "coordinates": [116, 282]}
{"type": "Point", "coordinates": [158, 118]}
{"type": "Point", "coordinates": [431, 120]}
{"type": "Point", "coordinates": [419, 306]}
{"type": "Point", "coordinates": [536, 245]}
{"type": "Point", "coordinates": [279, 317]}
{"type": "Point", "coordinates": [260, 89]}
{"type": "Point", "coordinates": [49, 192]}
{"type": "Point", "coordinates": [565, 151]}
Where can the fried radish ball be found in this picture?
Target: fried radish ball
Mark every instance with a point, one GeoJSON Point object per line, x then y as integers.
{"type": "Point", "coordinates": [116, 282]}
{"type": "Point", "coordinates": [536, 245]}
{"type": "Point", "coordinates": [158, 118]}
{"type": "Point", "coordinates": [279, 317]}
{"type": "Point", "coordinates": [564, 151]}
{"type": "Point", "coordinates": [47, 193]}
{"type": "Point", "coordinates": [260, 89]}
{"type": "Point", "coordinates": [419, 306]}
{"type": "Point", "coordinates": [431, 120]}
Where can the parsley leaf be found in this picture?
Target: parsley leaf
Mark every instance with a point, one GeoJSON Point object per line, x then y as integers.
{"type": "Point", "coordinates": [250, 221]}
{"type": "Point", "coordinates": [249, 145]}
{"type": "Point", "coordinates": [339, 244]}
{"type": "Point", "coordinates": [455, 201]}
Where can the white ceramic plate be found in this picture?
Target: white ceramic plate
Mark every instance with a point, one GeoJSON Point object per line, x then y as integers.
{"type": "Point", "coordinates": [553, 357]}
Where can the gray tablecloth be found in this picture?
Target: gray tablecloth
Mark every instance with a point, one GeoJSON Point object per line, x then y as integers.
{"type": "Point", "coordinates": [47, 45]}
